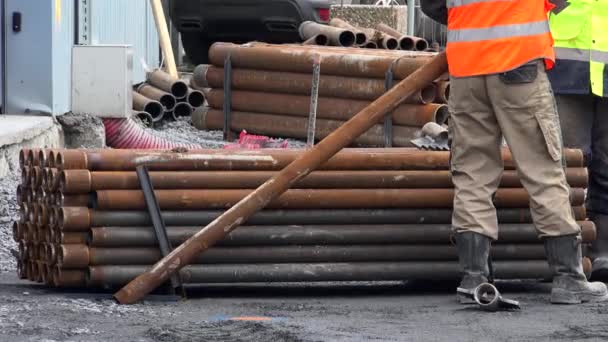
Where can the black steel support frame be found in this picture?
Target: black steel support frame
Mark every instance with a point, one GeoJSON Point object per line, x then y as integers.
{"type": "Point", "coordinates": [158, 223]}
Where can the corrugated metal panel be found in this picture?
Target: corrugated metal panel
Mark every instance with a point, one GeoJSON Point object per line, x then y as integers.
{"type": "Point", "coordinates": [126, 22]}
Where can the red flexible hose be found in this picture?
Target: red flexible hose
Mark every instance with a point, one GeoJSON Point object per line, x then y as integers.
{"type": "Point", "coordinates": [127, 134]}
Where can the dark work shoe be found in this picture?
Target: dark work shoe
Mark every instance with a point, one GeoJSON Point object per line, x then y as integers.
{"type": "Point", "coordinates": [473, 253]}
{"type": "Point", "coordinates": [599, 248]}
{"type": "Point", "coordinates": [570, 286]}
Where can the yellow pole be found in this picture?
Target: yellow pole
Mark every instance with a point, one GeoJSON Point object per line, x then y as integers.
{"type": "Point", "coordinates": [165, 40]}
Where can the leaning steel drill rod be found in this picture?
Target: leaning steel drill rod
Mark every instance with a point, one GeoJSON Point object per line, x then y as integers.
{"type": "Point", "coordinates": [257, 200]}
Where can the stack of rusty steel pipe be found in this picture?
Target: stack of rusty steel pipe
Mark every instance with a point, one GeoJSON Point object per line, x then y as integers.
{"type": "Point", "coordinates": [340, 32]}
{"type": "Point", "coordinates": [271, 87]}
{"type": "Point", "coordinates": [367, 214]}
{"type": "Point", "coordinates": [164, 98]}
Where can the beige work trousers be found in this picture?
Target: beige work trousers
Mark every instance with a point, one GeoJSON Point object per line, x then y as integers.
{"type": "Point", "coordinates": [483, 109]}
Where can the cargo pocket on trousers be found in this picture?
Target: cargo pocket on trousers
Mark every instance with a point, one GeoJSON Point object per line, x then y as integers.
{"type": "Point", "coordinates": [551, 133]}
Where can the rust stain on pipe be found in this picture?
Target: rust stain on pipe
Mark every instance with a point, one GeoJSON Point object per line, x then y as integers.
{"type": "Point", "coordinates": [328, 107]}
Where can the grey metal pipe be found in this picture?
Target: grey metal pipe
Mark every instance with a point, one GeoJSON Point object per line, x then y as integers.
{"type": "Point", "coordinates": [112, 237]}
{"type": "Point", "coordinates": [81, 219]}
{"type": "Point", "coordinates": [311, 254]}
{"type": "Point", "coordinates": [112, 276]}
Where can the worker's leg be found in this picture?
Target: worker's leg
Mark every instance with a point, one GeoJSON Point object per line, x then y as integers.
{"type": "Point", "coordinates": [597, 196]}
{"type": "Point", "coordinates": [526, 111]}
{"type": "Point", "coordinates": [476, 166]}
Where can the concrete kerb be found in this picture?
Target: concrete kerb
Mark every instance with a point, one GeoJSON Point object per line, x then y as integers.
{"type": "Point", "coordinates": [22, 131]}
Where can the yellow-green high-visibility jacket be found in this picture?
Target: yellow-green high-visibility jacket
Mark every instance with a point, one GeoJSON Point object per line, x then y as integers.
{"type": "Point", "coordinates": [580, 30]}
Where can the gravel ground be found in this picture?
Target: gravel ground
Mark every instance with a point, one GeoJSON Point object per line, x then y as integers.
{"type": "Point", "coordinates": [389, 311]}
{"type": "Point", "coordinates": [9, 212]}
{"type": "Point", "coordinates": [182, 131]}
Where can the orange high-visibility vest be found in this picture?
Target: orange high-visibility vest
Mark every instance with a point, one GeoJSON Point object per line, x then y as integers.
{"type": "Point", "coordinates": [493, 36]}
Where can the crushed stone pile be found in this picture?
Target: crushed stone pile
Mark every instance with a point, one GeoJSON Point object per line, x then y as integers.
{"type": "Point", "coordinates": [9, 212]}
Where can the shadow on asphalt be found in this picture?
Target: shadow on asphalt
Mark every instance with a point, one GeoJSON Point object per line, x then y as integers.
{"type": "Point", "coordinates": [265, 290]}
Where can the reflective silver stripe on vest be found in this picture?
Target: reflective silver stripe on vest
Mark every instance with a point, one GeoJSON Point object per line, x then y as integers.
{"type": "Point", "coordinates": [572, 54]}
{"type": "Point", "coordinates": [599, 56]}
{"type": "Point", "coordinates": [458, 3]}
{"type": "Point", "coordinates": [497, 32]}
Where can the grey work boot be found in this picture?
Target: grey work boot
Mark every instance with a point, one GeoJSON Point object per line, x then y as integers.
{"type": "Point", "coordinates": [599, 248]}
{"type": "Point", "coordinates": [570, 286]}
{"type": "Point", "coordinates": [473, 253]}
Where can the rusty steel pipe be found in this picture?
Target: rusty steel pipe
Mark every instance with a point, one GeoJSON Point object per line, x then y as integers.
{"type": "Point", "coordinates": [387, 42]}
{"type": "Point", "coordinates": [166, 99]}
{"type": "Point", "coordinates": [68, 278]}
{"type": "Point", "coordinates": [269, 159]}
{"type": "Point", "coordinates": [36, 176]}
{"type": "Point", "coordinates": [369, 89]}
{"type": "Point", "coordinates": [32, 157]}
{"type": "Point", "coordinates": [337, 36]}
{"type": "Point", "coordinates": [168, 83]}
{"type": "Point", "coordinates": [26, 177]}
{"type": "Point", "coordinates": [73, 256]}
{"type": "Point", "coordinates": [195, 98]}
{"type": "Point", "coordinates": [296, 127]}
{"type": "Point", "coordinates": [299, 60]}
{"type": "Point", "coordinates": [360, 36]}
{"type": "Point", "coordinates": [42, 157]}
{"type": "Point", "coordinates": [319, 39]}
{"type": "Point", "coordinates": [327, 107]}
{"type": "Point", "coordinates": [84, 181]}
{"type": "Point", "coordinates": [78, 219]}
{"type": "Point", "coordinates": [310, 199]}
{"type": "Point", "coordinates": [256, 236]}
{"type": "Point", "coordinates": [310, 254]}
{"type": "Point", "coordinates": [409, 42]}
{"type": "Point", "coordinates": [144, 104]}
{"type": "Point", "coordinates": [23, 160]}
{"type": "Point", "coordinates": [113, 276]}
